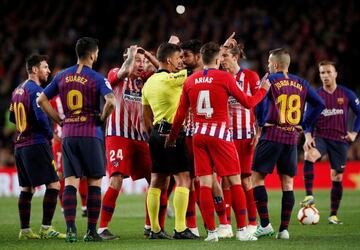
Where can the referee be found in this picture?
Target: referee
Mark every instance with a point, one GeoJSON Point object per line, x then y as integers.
{"type": "Point", "coordinates": [160, 99]}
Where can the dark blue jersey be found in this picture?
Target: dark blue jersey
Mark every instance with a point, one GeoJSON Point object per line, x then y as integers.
{"type": "Point", "coordinates": [32, 124]}
{"type": "Point", "coordinates": [333, 121]}
{"type": "Point", "coordinates": [282, 109]}
{"type": "Point", "coordinates": [80, 89]}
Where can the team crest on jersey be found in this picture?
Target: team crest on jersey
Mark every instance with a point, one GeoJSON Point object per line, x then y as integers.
{"type": "Point", "coordinates": [115, 163]}
{"type": "Point", "coordinates": [139, 83]}
{"type": "Point", "coordinates": [340, 101]}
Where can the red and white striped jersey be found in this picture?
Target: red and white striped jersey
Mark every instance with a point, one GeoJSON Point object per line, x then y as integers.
{"type": "Point", "coordinates": [207, 93]}
{"type": "Point", "coordinates": [219, 130]}
{"type": "Point", "coordinates": [125, 120]}
{"type": "Point", "coordinates": [58, 107]}
{"type": "Point", "coordinates": [189, 123]}
{"type": "Point", "coordinates": [242, 120]}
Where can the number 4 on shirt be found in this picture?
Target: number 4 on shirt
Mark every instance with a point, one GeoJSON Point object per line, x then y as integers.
{"type": "Point", "coordinates": [203, 106]}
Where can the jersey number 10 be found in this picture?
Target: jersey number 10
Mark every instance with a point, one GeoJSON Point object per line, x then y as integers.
{"type": "Point", "coordinates": [20, 116]}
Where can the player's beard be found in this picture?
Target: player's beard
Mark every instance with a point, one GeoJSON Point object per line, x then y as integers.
{"type": "Point", "coordinates": [191, 65]}
{"type": "Point", "coordinates": [43, 81]}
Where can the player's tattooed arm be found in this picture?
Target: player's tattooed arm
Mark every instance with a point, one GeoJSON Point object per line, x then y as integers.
{"type": "Point", "coordinates": [151, 58]}
{"type": "Point", "coordinates": [128, 63]}
{"type": "Point", "coordinates": [110, 102]}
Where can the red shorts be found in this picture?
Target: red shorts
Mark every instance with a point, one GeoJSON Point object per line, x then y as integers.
{"type": "Point", "coordinates": [57, 152]}
{"type": "Point", "coordinates": [246, 154]}
{"type": "Point", "coordinates": [213, 154]}
{"type": "Point", "coordinates": [128, 157]}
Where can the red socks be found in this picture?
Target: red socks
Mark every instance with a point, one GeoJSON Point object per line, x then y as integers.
{"type": "Point", "coordinates": [239, 205]}
{"type": "Point", "coordinates": [108, 206]}
{"type": "Point", "coordinates": [207, 207]}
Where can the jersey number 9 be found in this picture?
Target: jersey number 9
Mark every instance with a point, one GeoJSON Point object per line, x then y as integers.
{"type": "Point", "coordinates": [75, 101]}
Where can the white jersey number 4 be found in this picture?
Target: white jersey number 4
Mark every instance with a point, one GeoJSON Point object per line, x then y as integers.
{"type": "Point", "coordinates": [203, 106]}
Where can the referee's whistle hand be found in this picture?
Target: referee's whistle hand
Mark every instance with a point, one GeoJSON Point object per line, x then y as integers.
{"type": "Point", "coordinates": [169, 143]}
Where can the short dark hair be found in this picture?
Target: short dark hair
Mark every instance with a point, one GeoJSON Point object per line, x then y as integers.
{"type": "Point", "coordinates": [34, 60]}
{"type": "Point", "coordinates": [209, 51]}
{"type": "Point", "coordinates": [326, 62]}
{"type": "Point", "coordinates": [85, 45]}
{"type": "Point", "coordinates": [279, 51]}
{"type": "Point", "coordinates": [194, 45]}
{"type": "Point", "coordinates": [166, 50]}
{"type": "Point", "coordinates": [282, 56]}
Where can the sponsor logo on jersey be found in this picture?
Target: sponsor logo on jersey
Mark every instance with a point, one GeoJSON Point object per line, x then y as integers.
{"type": "Point", "coordinates": [331, 112]}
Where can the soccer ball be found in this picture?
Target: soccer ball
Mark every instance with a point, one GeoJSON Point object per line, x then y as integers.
{"type": "Point", "coordinates": [308, 215]}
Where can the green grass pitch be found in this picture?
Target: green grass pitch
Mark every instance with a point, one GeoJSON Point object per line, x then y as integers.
{"type": "Point", "coordinates": [128, 223]}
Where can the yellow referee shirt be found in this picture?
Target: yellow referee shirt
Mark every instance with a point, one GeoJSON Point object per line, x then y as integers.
{"type": "Point", "coordinates": [162, 92]}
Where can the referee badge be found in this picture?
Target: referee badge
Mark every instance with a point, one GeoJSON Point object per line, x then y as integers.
{"type": "Point", "coordinates": [340, 101]}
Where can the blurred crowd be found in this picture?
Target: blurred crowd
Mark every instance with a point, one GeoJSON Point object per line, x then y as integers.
{"type": "Point", "coordinates": [311, 30]}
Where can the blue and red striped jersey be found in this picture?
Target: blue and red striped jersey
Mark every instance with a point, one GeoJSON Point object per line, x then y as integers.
{"type": "Point", "coordinates": [32, 124]}
{"type": "Point", "coordinates": [80, 89]}
{"type": "Point", "coordinates": [281, 112]}
{"type": "Point", "coordinates": [333, 121]}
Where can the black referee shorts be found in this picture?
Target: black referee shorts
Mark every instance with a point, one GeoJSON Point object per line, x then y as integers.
{"type": "Point", "coordinates": [168, 160]}
{"type": "Point", "coordinates": [35, 165]}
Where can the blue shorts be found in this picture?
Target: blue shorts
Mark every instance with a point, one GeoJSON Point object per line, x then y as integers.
{"type": "Point", "coordinates": [336, 150]}
{"type": "Point", "coordinates": [83, 156]}
{"type": "Point", "coordinates": [35, 165]}
{"type": "Point", "coordinates": [269, 153]}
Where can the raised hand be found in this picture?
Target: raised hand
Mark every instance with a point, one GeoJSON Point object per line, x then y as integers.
{"type": "Point", "coordinates": [230, 42]}
{"type": "Point", "coordinates": [174, 39]}
{"type": "Point", "coordinates": [265, 83]}
{"type": "Point", "coordinates": [132, 50]}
